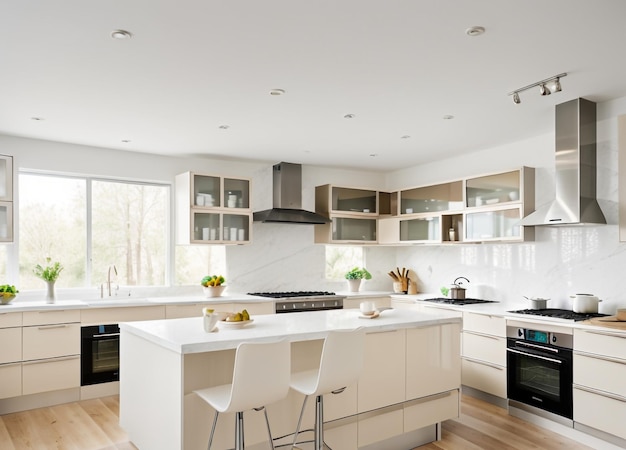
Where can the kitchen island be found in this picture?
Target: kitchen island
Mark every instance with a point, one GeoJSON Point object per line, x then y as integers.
{"type": "Point", "coordinates": [410, 382]}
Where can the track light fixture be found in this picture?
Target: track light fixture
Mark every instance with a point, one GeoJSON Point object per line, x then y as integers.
{"type": "Point", "coordinates": [544, 89]}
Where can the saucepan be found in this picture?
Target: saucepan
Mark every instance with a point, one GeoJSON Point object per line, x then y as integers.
{"type": "Point", "coordinates": [537, 302]}
{"type": "Point", "coordinates": [456, 291]}
{"type": "Point", "coordinates": [585, 303]}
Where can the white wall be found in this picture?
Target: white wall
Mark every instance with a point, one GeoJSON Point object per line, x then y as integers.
{"type": "Point", "coordinates": [561, 261]}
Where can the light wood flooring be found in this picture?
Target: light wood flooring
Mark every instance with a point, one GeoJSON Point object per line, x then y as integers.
{"type": "Point", "coordinates": [93, 425]}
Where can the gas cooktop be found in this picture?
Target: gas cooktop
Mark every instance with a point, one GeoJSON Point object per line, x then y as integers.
{"type": "Point", "coordinates": [460, 302]}
{"type": "Point", "coordinates": [558, 314]}
{"type": "Point", "coordinates": [294, 294]}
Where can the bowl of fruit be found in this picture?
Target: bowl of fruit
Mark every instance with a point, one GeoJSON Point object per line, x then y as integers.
{"type": "Point", "coordinates": [7, 294]}
{"type": "Point", "coordinates": [213, 285]}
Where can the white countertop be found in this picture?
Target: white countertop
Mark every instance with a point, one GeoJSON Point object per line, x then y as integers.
{"type": "Point", "coordinates": [188, 335]}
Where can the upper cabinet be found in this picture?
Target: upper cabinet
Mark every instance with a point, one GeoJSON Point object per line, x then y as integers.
{"type": "Point", "coordinates": [353, 213]}
{"type": "Point", "coordinates": [6, 198]}
{"type": "Point", "coordinates": [477, 209]}
{"type": "Point", "coordinates": [212, 209]}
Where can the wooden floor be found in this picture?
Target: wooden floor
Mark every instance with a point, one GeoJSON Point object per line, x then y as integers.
{"type": "Point", "coordinates": [93, 425]}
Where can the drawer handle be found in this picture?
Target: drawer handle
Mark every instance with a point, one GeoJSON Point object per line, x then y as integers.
{"type": "Point", "coordinates": [483, 363]}
{"type": "Point", "coordinates": [49, 327]}
{"type": "Point", "coordinates": [495, 338]}
{"type": "Point", "coordinates": [606, 333]}
{"type": "Point", "coordinates": [619, 398]}
{"type": "Point", "coordinates": [601, 358]}
{"type": "Point", "coordinates": [41, 361]}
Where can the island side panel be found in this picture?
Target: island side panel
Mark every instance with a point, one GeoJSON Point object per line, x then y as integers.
{"type": "Point", "coordinates": [150, 394]}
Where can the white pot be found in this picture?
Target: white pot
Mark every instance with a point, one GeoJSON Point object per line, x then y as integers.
{"type": "Point", "coordinates": [585, 303]}
{"type": "Point", "coordinates": [354, 285]}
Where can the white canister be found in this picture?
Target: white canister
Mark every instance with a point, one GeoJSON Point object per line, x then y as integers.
{"type": "Point", "coordinates": [242, 235]}
{"type": "Point", "coordinates": [200, 200]}
{"type": "Point", "coordinates": [226, 233]}
{"type": "Point", "coordinates": [213, 233]}
{"type": "Point", "coordinates": [232, 201]}
{"type": "Point", "coordinates": [233, 234]}
{"type": "Point", "coordinates": [205, 234]}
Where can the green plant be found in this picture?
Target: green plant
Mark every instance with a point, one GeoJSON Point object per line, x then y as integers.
{"type": "Point", "coordinates": [8, 289]}
{"type": "Point", "coordinates": [50, 272]}
{"type": "Point", "coordinates": [445, 291]}
{"type": "Point", "coordinates": [212, 280]}
{"type": "Point", "coordinates": [358, 274]}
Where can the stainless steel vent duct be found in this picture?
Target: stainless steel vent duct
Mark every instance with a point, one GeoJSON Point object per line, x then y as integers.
{"type": "Point", "coordinates": [287, 195]}
{"type": "Point", "coordinates": [575, 201]}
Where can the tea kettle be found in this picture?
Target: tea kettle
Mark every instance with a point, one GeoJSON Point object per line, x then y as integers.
{"type": "Point", "coordinates": [456, 291]}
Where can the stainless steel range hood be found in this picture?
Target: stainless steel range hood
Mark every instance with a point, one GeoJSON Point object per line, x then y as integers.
{"type": "Point", "coordinates": [288, 198]}
{"type": "Point", "coordinates": [575, 201]}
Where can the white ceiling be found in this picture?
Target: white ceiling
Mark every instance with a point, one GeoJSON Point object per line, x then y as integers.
{"type": "Point", "coordinates": [398, 65]}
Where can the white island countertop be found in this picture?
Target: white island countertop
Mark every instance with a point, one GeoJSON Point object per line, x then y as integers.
{"type": "Point", "coordinates": [186, 336]}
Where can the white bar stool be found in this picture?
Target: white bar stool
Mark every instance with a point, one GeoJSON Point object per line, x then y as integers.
{"type": "Point", "coordinates": [341, 364]}
{"type": "Point", "coordinates": [261, 376]}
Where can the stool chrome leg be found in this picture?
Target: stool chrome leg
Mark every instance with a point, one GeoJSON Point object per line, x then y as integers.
{"type": "Point", "coordinates": [295, 436]}
{"type": "Point", "coordinates": [267, 422]}
{"type": "Point", "coordinates": [319, 423]}
{"type": "Point", "coordinates": [239, 442]}
{"type": "Point", "coordinates": [213, 430]}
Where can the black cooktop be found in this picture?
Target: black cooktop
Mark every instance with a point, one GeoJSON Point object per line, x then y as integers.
{"type": "Point", "coordinates": [460, 302]}
{"type": "Point", "coordinates": [293, 294]}
{"type": "Point", "coordinates": [558, 314]}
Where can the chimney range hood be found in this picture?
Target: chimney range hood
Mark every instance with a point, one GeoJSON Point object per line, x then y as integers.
{"type": "Point", "coordinates": [575, 202]}
{"type": "Point", "coordinates": [287, 196]}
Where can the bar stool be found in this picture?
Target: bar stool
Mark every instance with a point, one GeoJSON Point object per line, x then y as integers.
{"type": "Point", "coordinates": [341, 364]}
{"type": "Point", "coordinates": [261, 376]}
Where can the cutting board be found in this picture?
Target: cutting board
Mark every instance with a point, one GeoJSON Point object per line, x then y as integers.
{"type": "Point", "coordinates": [608, 321]}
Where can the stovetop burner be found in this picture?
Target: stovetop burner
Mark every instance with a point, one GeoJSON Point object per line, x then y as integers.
{"type": "Point", "coordinates": [558, 314]}
{"type": "Point", "coordinates": [294, 294]}
{"type": "Point", "coordinates": [460, 302]}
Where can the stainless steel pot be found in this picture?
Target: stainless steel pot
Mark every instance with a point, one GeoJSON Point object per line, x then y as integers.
{"type": "Point", "coordinates": [585, 303]}
{"type": "Point", "coordinates": [538, 303]}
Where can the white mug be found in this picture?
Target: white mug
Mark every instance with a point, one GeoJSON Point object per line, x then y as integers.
{"type": "Point", "coordinates": [368, 308]}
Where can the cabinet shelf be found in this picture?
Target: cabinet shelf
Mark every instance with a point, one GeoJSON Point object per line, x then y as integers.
{"type": "Point", "coordinates": [212, 209]}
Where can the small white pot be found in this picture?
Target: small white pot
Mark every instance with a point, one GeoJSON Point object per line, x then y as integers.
{"type": "Point", "coordinates": [585, 303]}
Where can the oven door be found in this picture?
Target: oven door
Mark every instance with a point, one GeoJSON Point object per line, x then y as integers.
{"type": "Point", "coordinates": [540, 376]}
{"type": "Point", "coordinates": [100, 354]}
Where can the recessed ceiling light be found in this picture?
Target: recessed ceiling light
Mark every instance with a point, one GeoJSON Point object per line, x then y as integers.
{"type": "Point", "coordinates": [475, 31]}
{"type": "Point", "coordinates": [448, 117]}
{"type": "Point", "coordinates": [224, 127]}
{"type": "Point", "coordinates": [125, 141]}
{"type": "Point", "coordinates": [406, 136]}
{"type": "Point", "coordinates": [38, 119]}
{"type": "Point", "coordinates": [349, 116]}
{"type": "Point", "coordinates": [373, 155]}
{"type": "Point", "coordinates": [121, 34]}
{"type": "Point", "coordinates": [277, 92]}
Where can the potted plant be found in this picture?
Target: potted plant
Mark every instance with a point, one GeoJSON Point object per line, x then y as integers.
{"type": "Point", "coordinates": [213, 285]}
{"type": "Point", "coordinates": [50, 273]}
{"type": "Point", "coordinates": [355, 276]}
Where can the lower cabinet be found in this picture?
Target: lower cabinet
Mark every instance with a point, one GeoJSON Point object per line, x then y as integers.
{"type": "Point", "coordinates": [11, 376]}
{"type": "Point", "coordinates": [50, 374]}
{"type": "Point", "coordinates": [484, 353]}
{"type": "Point", "coordinates": [599, 374]}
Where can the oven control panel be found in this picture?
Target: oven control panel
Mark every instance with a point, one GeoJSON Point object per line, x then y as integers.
{"type": "Point", "coordinates": [541, 337]}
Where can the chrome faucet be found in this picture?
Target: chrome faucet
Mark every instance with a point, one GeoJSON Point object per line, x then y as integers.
{"type": "Point", "coordinates": [112, 266]}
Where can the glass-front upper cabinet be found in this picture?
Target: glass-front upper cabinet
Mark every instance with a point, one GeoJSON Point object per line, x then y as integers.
{"type": "Point", "coordinates": [496, 224]}
{"type": "Point", "coordinates": [6, 221]}
{"type": "Point", "coordinates": [427, 199]}
{"type": "Point", "coordinates": [6, 178]}
{"type": "Point", "coordinates": [349, 229]}
{"type": "Point", "coordinates": [421, 229]}
{"type": "Point", "coordinates": [211, 209]}
{"type": "Point", "coordinates": [493, 189]}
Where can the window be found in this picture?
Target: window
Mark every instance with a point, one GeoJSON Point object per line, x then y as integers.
{"type": "Point", "coordinates": [88, 224]}
{"type": "Point", "coordinates": [193, 262]}
{"type": "Point", "coordinates": [340, 259]}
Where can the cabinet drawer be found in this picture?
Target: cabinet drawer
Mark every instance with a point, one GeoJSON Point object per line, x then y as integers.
{"type": "Point", "coordinates": [195, 310]}
{"type": "Point", "coordinates": [103, 316]}
{"type": "Point", "coordinates": [606, 343]}
{"type": "Point", "coordinates": [485, 348]}
{"type": "Point", "coordinates": [11, 376]}
{"type": "Point", "coordinates": [49, 317]}
{"type": "Point", "coordinates": [485, 377]}
{"type": "Point", "coordinates": [430, 410]}
{"type": "Point", "coordinates": [378, 426]}
{"type": "Point", "coordinates": [254, 308]}
{"type": "Point", "coordinates": [484, 323]}
{"type": "Point", "coordinates": [600, 412]}
{"type": "Point", "coordinates": [50, 341]}
{"type": "Point", "coordinates": [50, 375]}
{"type": "Point", "coordinates": [599, 373]}
{"type": "Point", "coordinates": [11, 348]}
{"type": "Point", "coordinates": [10, 320]}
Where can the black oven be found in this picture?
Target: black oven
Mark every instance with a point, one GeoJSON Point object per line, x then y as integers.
{"type": "Point", "coordinates": [539, 370]}
{"type": "Point", "coordinates": [99, 354]}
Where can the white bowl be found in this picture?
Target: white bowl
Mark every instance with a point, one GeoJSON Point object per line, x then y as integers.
{"type": "Point", "coordinates": [213, 291]}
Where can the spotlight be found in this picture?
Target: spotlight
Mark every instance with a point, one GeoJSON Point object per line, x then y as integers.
{"type": "Point", "coordinates": [543, 90]}
{"type": "Point", "coordinates": [516, 98]}
{"type": "Point", "coordinates": [556, 87]}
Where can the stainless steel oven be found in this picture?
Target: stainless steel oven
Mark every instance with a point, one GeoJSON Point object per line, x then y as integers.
{"type": "Point", "coordinates": [99, 354]}
{"type": "Point", "coordinates": [300, 301]}
{"type": "Point", "coordinates": [539, 370]}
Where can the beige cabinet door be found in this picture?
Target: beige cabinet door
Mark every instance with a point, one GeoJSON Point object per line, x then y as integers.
{"type": "Point", "coordinates": [11, 348]}
{"type": "Point", "coordinates": [50, 374]}
{"type": "Point", "coordinates": [50, 341]}
{"type": "Point", "coordinates": [11, 376]}
{"type": "Point", "coordinates": [483, 347]}
{"type": "Point", "coordinates": [484, 376]}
